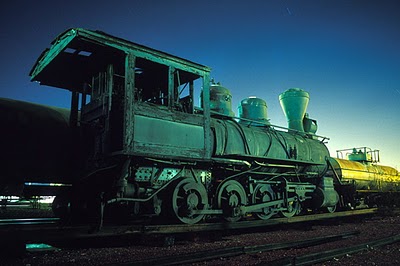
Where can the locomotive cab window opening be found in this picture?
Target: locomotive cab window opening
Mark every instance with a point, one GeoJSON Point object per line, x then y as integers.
{"type": "Point", "coordinates": [163, 85]}
{"type": "Point", "coordinates": [185, 94]}
{"type": "Point", "coordinates": [101, 88]}
{"type": "Point", "coordinates": [151, 82]}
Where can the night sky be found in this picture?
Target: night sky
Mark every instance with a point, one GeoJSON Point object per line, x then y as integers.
{"type": "Point", "coordinates": [346, 54]}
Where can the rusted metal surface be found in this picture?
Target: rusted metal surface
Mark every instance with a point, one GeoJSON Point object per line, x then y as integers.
{"type": "Point", "coordinates": [176, 138]}
{"type": "Point", "coordinates": [88, 50]}
{"type": "Point", "coordinates": [264, 143]}
{"type": "Point", "coordinates": [145, 73]}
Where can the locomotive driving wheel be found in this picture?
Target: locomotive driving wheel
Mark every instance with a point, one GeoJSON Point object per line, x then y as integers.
{"type": "Point", "coordinates": [264, 193]}
{"type": "Point", "coordinates": [293, 208]}
{"type": "Point", "coordinates": [189, 196]}
{"type": "Point", "coordinates": [231, 195]}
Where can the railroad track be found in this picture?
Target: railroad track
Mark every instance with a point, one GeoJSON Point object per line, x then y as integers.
{"type": "Point", "coordinates": [48, 231]}
{"type": "Point", "coordinates": [241, 246]}
{"type": "Point", "coordinates": [202, 227]}
{"type": "Point", "coordinates": [237, 251]}
{"type": "Point", "coordinates": [308, 259]}
{"type": "Point", "coordinates": [34, 227]}
{"type": "Point", "coordinates": [319, 257]}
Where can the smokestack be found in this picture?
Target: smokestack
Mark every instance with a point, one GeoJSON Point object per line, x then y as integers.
{"type": "Point", "coordinates": [294, 104]}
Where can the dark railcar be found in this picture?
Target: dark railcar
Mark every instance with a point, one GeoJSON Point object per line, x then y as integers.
{"type": "Point", "coordinates": [36, 147]}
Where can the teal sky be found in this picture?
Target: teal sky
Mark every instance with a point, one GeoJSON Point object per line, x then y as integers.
{"type": "Point", "coordinates": [344, 53]}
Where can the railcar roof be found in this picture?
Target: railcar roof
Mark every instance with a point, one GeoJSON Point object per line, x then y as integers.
{"type": "Point", "coordinates": [76, 54]}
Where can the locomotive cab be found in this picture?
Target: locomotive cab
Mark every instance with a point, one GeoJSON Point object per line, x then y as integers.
{"type": "Point", "coordinates": [115, 84]}
{"type": "Point", "coordinates": [129, 103]}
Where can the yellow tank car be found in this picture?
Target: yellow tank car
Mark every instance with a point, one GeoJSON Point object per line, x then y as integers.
{"type": "Point", "coordinates": [371, 181]}
{"type": "Point", "coordinates": [367, 177]}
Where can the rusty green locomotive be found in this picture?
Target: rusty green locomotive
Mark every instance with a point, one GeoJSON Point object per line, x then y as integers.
{"type": "Point", "coordinates": [140, 146]}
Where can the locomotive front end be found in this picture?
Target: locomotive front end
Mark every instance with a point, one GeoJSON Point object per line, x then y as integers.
{"type": "Point", "coordinates": [294, 158]}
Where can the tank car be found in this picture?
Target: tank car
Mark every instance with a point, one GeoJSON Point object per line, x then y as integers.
{"type": "Point", "coordinates": [148, 151]}
{"type": "Point", "coordinates": [37, 149]}
{"type": "Point", "coordinates": [374, 184]}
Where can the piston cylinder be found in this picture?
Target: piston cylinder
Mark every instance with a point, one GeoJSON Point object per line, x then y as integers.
{"type": "Point", "coordinates": [325, 195]}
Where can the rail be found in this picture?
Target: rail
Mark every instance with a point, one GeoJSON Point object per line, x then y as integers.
{"type": "Point", "coordinates": [318, 257]}
{"type": "Point", "coordinates": [237, 251]}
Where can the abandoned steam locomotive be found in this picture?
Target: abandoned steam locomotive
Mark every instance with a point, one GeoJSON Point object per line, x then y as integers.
{"type": "Point", "coordinates": [135, 143]}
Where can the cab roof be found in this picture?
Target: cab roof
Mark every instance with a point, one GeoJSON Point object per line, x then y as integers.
{"type": "Point", "coordinates": [76, 54]}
